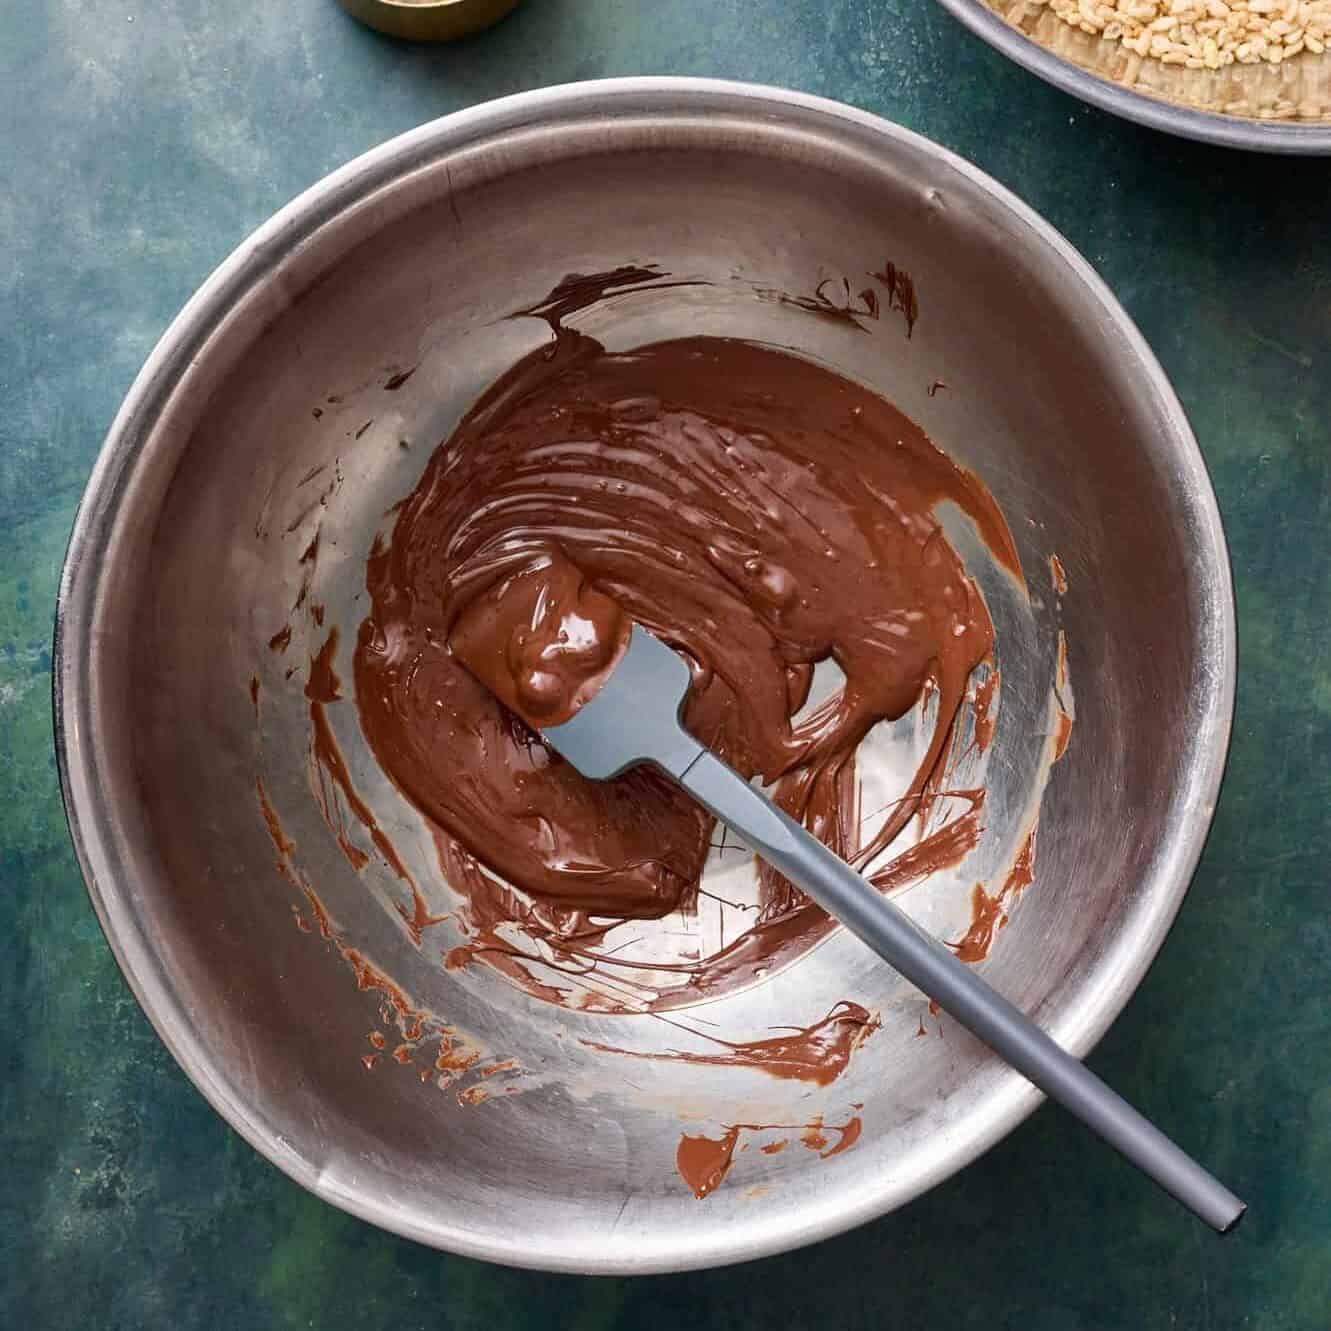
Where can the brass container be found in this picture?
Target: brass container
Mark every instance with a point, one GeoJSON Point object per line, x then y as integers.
{"type": "Point", "coordinates": [429, 20]}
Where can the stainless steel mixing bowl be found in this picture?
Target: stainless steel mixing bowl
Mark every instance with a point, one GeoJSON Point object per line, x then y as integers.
{"type": "Point", "coordinates": [266, 415]}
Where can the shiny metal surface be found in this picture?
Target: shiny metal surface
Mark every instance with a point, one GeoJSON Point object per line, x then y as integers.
{"type": "Point", "coordinates": [423, 21]}
{"type": "Point", "coordinates": [636, 712]}
{"type": "Point", "coordinates": [1309, 138]}
{"type": "Point", "coordinates": [186, 558]}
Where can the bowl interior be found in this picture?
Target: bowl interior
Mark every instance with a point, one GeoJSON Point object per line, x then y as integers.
{"type": "Point", "coordinates": [266, 419]}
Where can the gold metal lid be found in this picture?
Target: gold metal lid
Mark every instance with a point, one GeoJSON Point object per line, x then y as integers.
{"type": "Point", "coordinates": [428, 20]}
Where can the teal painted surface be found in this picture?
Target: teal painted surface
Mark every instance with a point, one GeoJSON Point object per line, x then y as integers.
{"type": "Point", "coordinates": [138, 145]}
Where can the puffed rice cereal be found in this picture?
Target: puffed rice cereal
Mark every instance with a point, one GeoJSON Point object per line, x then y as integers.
{"type": "Point", "coordinates": [1205, 34]}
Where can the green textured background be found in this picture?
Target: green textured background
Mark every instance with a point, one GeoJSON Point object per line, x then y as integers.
{"type": "Point", "coordinates": [138, 145]}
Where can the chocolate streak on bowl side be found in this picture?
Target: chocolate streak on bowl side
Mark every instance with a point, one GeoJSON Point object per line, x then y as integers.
{"type": "Point", "coordinates": [984, 710]}
{"type": "Point", "coordinates": [758, 512]}
{"type": "Point", "coordinates": [1064, 715]}
{"type": "Point", "coordinates": [333, 779]}
{"type": "Point", "coordinates": [447, 1055]}
{"type": "Point", "coordinates": [989, 914]}
{"type": "Point", "coordinates": [818, 1054]}
{"type": "Point", "coordinates": [1058, 575]}
{"type": "Point", "coordinates": [703, 1162]}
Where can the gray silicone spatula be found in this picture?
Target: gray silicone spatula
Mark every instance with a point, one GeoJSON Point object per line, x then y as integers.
{"type": "Point", "coordinates": [634, 718]}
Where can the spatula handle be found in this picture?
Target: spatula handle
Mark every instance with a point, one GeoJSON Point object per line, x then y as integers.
{"type": "Point", "coordinates": [956, 987]}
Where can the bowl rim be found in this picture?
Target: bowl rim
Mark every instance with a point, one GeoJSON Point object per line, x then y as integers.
{"type": "Point", "coordinates": [1012, 1100]}
{"type": "Point", "coordinates": [1268, 136]}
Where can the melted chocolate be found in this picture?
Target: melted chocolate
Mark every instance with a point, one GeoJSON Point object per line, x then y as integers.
{"type": "Point", "coordinates": [900, 290]}
{"type": "Point", "coordinates": [1058, 576]}
{"type": "Point", "coordinates": [281, 843]}
{"type": "Point", "coordinates": [1064, 715]}
{"type": "Point", "coordinates": [542, 640]}
{"type": "Point", "coordinates": [458, 1055]}
{"type": "Point", "coordinates": [989, 914]}
{"type": "Point", "coordinates": [703, 1162]}
{"type": "Point", "coordinates": [985, 719]}
{"type": "Point", "coordinates": [1062, 734]}
{"type": "Point", "coordinates": [819, 1053]}
{"type": "Point", "coordinates": [324, 687]}
{"type": "Point", "coordinates": [756, 511]}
